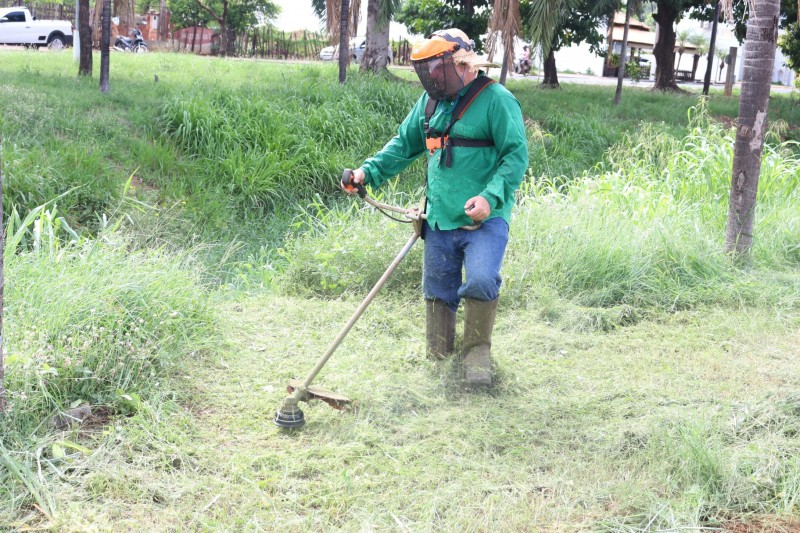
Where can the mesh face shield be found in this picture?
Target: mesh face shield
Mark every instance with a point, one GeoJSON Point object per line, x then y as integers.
{"type": "Point", "coordinates": [439, 76]}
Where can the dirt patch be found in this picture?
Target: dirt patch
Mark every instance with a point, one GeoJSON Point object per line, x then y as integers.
{"type": "Point", "coordinates": [139, 185]}
{"type": "Point", "coordinates": [763, 525]}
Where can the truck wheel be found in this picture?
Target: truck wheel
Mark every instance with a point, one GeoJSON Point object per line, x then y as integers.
{"type": "Point", "coordinates": [56, 42]}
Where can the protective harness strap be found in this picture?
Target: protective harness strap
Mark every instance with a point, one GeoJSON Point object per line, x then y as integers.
{"type": "Point", "coordinates": [436, 140]}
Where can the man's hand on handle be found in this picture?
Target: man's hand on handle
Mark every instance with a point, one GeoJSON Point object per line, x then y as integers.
{"type": "Point", "coordinates": [477, 208]}
{"type": "Point", "coordinates": [358, 177]}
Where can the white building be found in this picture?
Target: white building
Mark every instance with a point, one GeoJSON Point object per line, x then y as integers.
{"type": "Point", "coordinates": [580, 60]}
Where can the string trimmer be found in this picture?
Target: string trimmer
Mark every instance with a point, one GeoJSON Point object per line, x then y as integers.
{"type": "Point", "coordinates": [289, 414]}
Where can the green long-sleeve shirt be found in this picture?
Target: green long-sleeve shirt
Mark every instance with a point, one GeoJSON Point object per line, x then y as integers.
{"type": "Point", "coordinates": [493, 172]}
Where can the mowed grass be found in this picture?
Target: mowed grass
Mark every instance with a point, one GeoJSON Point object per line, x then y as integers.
{"type": "Point", "coordinates": [690, 420]}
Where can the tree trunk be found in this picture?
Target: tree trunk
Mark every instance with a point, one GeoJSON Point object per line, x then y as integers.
{"type": "Point", "coordinates": [622, 52]}
{"type": "Point", "coordinates": [504, 69]}
{"type": "Point", "coordinates": [712, 44]}
{"type": "Point", "coordinates": [344, 45]}
{"type": "Point", "coordinates": [376, 54]}
{"type": "Point", "coordinates": [2, 290]}
{"type": "Point", "coordinates": [230, 42]}
{"type": "Point", "coordinates": [550, 72]}
{"type": "Point", "coordinates": [759, 57]}
{"type": "Point", "coordinates": [85, 35]}
{"type": "Point", "coordinates": [105, 42]}
{"type": "Point", "coordinates": [664, 51]}
{"type": "Point", "coordinates": [695, 62]}
{"type": "Point", "coordinates": [163, 27]}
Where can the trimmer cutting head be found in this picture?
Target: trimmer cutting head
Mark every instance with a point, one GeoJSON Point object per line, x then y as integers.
{"type": "Point", "coordinates": [289, 416]}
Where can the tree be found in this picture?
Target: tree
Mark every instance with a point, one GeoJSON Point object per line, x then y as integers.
{"type": "Point", "coordinates": [668, 12]}
{"type": "Point", "coordinates": [186, 13]}
{"type": "Point", "coordinates": [341, 19]}
{"type": "Point", "coordinates": [504, 25]}
{"type": "Point", "coordinates": [751, 126]}
{"type": "Point", "coordinates": [682, 38]}
{"type": "Point", "coordinates": [622, 52]}
{"type": "Point", "coordinates": [344, 55]}
{"type": "Point", "coordinates": [700, 44]}
{"type": "Point", "coordinates": [557, 23]}
{"type": "Point", "coordinates": [427, 16]}
{"type": "Point", "coordinates": [722, 55]}
{"type": "Point", "coordinates": [85, 35]}
{"type": "Point", "coordinates": [790, 46]}
{"type": "Point", "coordinates": [105, 44]}
{"type": "Point", "coordinates": [236, 16]}
{"type": "Point", "coordinates": [379, 14]}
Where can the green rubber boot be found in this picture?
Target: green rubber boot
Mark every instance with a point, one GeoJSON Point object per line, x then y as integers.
{"type": "Point", "coordinates": [478, 324]}
{"type": "Point", "coordinates": [440, 326]}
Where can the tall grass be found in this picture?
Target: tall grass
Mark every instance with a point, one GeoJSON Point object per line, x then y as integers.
{"type": "Point", "coordinates": [266, 145]}
{"type": "Point", "coordinates": [87, 321]}
{"type": "Point", "coordinates": [645, 229]}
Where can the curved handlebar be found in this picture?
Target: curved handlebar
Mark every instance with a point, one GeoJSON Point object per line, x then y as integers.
{"type": "Point", "coordinates": [413, 214]}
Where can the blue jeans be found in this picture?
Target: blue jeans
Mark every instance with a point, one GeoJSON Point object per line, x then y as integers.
{"type": "Point", "coordinates": [478, 252]}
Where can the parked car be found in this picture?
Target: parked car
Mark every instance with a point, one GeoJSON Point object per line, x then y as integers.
{"type": "Point", "coordinates": [357, 47]}
{"type": "Point", "coordinates": [18, 26]}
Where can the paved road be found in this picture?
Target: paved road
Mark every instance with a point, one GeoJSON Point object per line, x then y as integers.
{"type": "Point", "coordinates": [599, 80]}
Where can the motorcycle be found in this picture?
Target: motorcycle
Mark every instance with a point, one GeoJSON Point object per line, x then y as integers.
{"type": "Point", "coordinates": [522, 67]}
{"type": "Point", "coordinates": [135, 45]}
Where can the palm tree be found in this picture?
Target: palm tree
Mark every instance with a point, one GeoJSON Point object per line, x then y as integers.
{"type": "Point", "coordinates": [548, 17]}
{"type": "Point", "coordinates": [341, 20]}
{"type": "Point", "coordinates": [682, 38]}
{"type": "Point", "coordinates": [759, 58]}
{"type": "Point", "coordinates": [700, 43]}
{"type": "Point", "coordinates": [505, 26]}
{"type": "Point", "coordinates": [105, 44]}
{"type": "Point", "coordinates": [622, 52]}
{"type": "Point", "coordinates": [721, 55]}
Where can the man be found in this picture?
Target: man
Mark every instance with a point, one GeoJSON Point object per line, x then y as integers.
{"type": "Point", "coordinates": [475, 164]}
{"type": "Point", "coordinates": [525, 61]}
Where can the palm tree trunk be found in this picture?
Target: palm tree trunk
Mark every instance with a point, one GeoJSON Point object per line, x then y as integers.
{"type": "Point", "coordinates": [622, 60]}
{"type": "Point", "coordinates": [85, 35]}
{"type": "Point", "coordinates": [344, 45]}
{"type": "Point", "coordinates": [759, 57]}
{"type": "Point", "coordinates": [504, 70]}
{"type": "Point", "coordinates": [710, 61]}
{"type": "Point", "coordinates": [105, 42]}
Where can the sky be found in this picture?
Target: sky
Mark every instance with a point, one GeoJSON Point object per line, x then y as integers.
{"type": "Point", "coordinates": [298, 15]}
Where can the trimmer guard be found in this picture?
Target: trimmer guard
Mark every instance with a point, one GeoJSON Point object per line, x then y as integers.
{"type": "Point", "coordinates": [335, 400]}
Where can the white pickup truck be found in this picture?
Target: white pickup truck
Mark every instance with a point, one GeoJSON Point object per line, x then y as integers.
{"type": "Point", "coordinates": [18, 26]}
